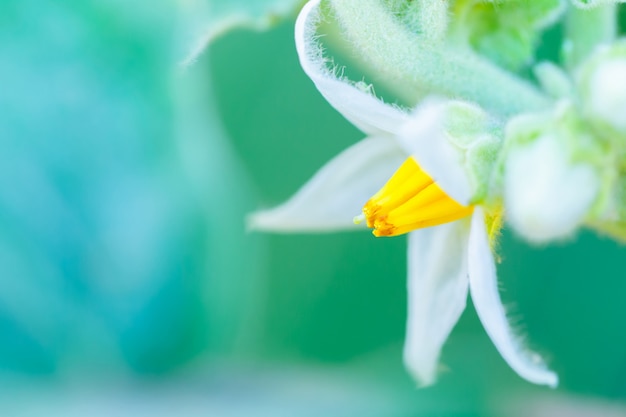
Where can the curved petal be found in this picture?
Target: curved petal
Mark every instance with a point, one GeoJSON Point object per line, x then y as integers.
{"type": "Point", "coordinates": [424, 137]}
{"type": "Point", "coordinates": [337, 192]}
{"type": "Point", "coordinates": [484, 291]}
{"type": "Point", "coordinates": [361, 108]}
{"type": "Point", "coordinates": [437, 288]}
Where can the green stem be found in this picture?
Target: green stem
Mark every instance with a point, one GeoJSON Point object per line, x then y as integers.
{"type": "Point", "coordinates": [414, 67]}
{"type": "Point", "coordinates": [585, 29]}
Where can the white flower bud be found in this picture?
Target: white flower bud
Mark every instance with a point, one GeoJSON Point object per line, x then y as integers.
{"type": "Point", "coordinates": [607, 93]}
{"type": "Point", "coordinates": [546, 195]}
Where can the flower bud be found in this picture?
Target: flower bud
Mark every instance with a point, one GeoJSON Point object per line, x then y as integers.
{"type": "Point", "coordinates": [547, 192]}
{"type": "Point", "coordinates": [603, 87]}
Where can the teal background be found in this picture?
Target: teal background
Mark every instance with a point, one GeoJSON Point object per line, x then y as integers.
{"type": "Point", "coordinates": [130, 286]}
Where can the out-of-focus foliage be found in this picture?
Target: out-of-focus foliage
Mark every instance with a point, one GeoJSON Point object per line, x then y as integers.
{"type": "Point", "coordinates": [204, 20]}
{"type": "Point", "coordinates": [107, 249]}
{"type": "Point", "coordinates": [506, 32]}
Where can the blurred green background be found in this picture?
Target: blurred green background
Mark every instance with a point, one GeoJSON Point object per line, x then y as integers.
{"type": "Point", "coordinates": [128, 282]}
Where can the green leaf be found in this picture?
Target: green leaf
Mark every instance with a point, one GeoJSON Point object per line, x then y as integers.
{"type": "Point", "coordinates": [413, 65]}
{"type": "Point", "coordinates": [506, 31]}
{"type": "Point", "coordinates": [588, 4]}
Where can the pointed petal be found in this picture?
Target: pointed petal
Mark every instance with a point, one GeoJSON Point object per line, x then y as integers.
{"type": "Point", "coordinates": [424, 137]}
{"type": "Point", "coordinates": [484, 291]}
{"type": "Point", "coordinates": [437, 290]}
{"type": "Point", "coordinates": [337, 192]}
{"type": "Point", "coordinates": [361, 108]}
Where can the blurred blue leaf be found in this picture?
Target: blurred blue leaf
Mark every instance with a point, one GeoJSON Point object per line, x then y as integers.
{"type": "Point", "coordinates": [106, 251]}
{"type": "Point", "coordinates": [205, 20]}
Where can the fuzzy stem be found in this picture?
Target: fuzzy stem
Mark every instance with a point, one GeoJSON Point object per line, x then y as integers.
{"type": "Point", "coordinates": [414, 67]}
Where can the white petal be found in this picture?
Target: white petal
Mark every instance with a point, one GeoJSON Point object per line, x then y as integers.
{"type": "Point", "coordinates": [546, 196]}
{"type": "Point", "coordinates": [337, 192]}
{"type": "Point", "coordinates": [363, 110]}
{"type": "Point", "coordinates": [424, 137]}
{"type": "Point", "coordinates": [437, 290]}
{"type": "Point", "coordinates": [484, 291]}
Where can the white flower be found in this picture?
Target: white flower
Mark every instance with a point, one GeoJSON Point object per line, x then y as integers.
{"type": "Point", "coordinates": [444, 261]}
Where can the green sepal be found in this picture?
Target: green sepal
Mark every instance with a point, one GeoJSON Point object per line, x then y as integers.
{"type": "Point", "coordinates": [479, 137]}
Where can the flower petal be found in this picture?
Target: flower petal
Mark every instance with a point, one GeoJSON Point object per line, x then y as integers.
{"type": "Point", "coordinates": [437, 288]}
{"type": "Point", "coordinates": [361, 108]}
{"type": "Point", "coordinates": [484, 291]}
{"type": "Point", "coordinates": [337, 192]}
{"type": "Point", "coordinates": [424, 137]}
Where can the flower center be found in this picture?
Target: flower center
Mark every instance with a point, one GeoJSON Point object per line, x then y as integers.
{"type": "Point", "coordinates": [410, 200]}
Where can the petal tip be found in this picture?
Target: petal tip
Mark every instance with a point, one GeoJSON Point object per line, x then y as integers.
{"type": "Point", "coordinates": [553, 381]}
{"type": "Point", "coordinates": [548, 378]}
{"type": "Point", "coordinates": [422, 372]}
{"type": "Point", "coordinates": [257, 221]}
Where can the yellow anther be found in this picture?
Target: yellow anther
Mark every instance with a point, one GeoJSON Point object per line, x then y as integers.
{"type": "Point", "coordinates": [410, 200]}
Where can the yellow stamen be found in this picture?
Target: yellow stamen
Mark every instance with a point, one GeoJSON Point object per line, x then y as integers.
{"type": "Point", "coordinates": [410, 200]}
{"type": "Point", "coordinates": [402, 186]}
{"type": "Point", "coordinates": [494, 220]}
